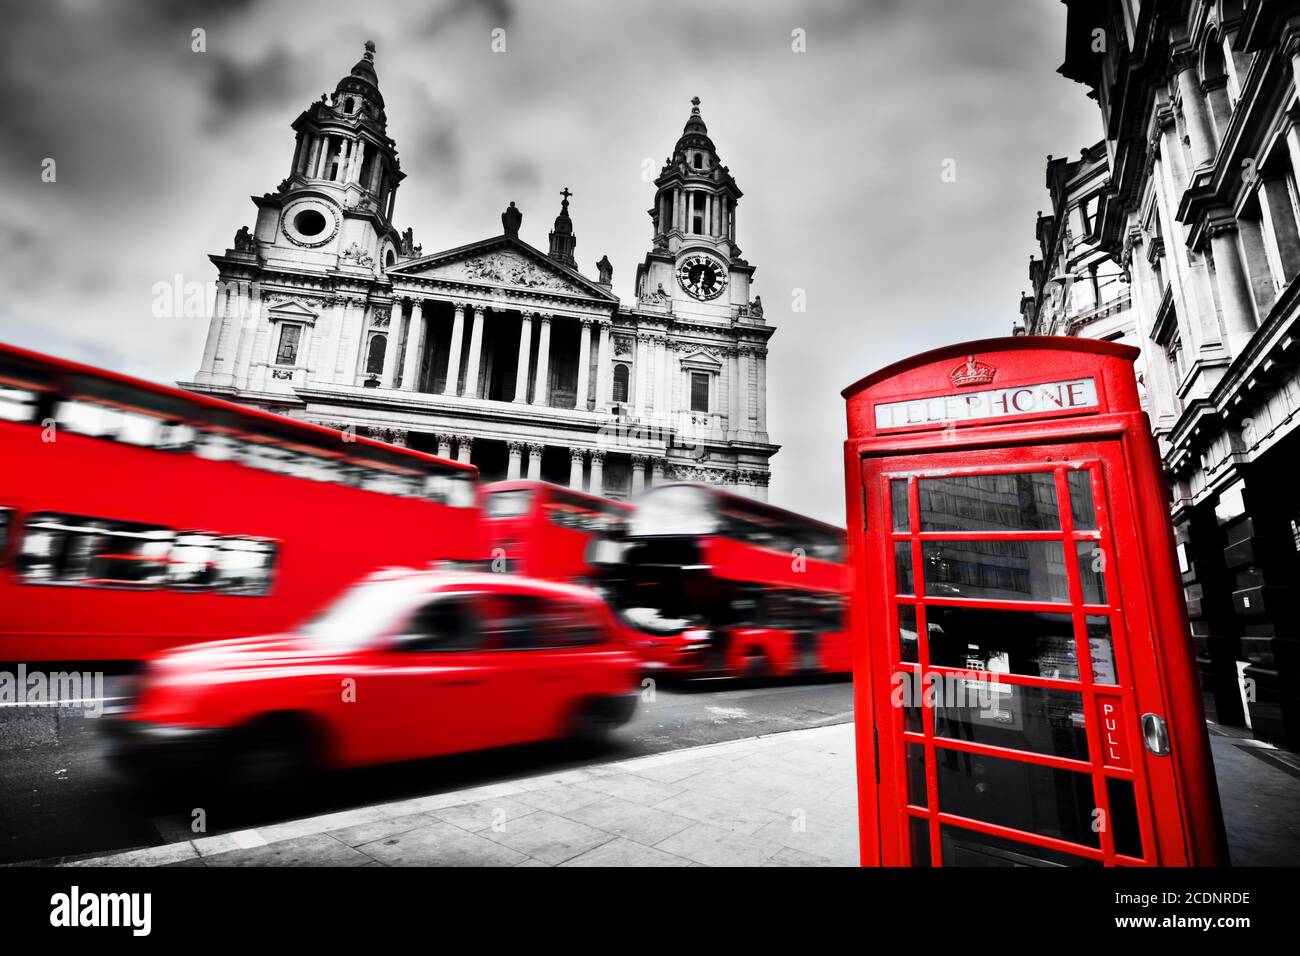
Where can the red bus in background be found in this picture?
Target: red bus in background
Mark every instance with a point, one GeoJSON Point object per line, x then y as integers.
{"type": "Point", "coordinates": [135, 516]}
{"type": "Point", "coordinates": [545, 531]}
{"type": "Point", "coordinates": [717, 584]}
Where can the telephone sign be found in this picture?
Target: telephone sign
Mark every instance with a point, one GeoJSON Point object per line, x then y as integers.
{"type": "Point", "coordinates": [1025, 688]}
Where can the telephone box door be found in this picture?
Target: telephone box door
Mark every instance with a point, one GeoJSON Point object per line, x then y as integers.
{"type": "Point", "coordinates": [1018, 707]}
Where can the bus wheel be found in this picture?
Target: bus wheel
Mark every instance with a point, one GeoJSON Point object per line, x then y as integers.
{"type": "Point", "coordinates": [272, 753]}
{"type": "Point", "coordinates": [755, 668]}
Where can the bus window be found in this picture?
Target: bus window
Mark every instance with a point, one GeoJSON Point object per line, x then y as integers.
{"type": "Point", "coordinates": [216, 446]}
{"type": "Point", "coordinates": [509, 504]}
{"type": "Point", "coordinates": [456, 489]}
{"type": "Point", "coordinates": [675, 510]}
{"type": "Point", "coordinates": [6, 515]}
{"type": "Point", "coordinates": [68, 549]}
{"type": "Point", "coordinates": [194, 561]}
{"type": "Point", "coordinates": [17, 404]}
{"type": "Point", "coordinates": [131, 426]}
{"type": "Point", "coordinates": [245, 565]}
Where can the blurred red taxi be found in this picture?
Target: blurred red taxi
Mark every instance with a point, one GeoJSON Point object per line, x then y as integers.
{"type": "Point", "coordinates": [407, 664]}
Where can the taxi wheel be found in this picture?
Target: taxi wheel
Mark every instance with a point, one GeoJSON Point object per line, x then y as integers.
{"type": "Point", "coordinates": [272, 753]}
{"type": "Point", "coordinates": [593, 724]}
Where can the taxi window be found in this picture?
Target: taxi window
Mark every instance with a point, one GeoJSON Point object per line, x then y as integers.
{"type": "Point", "coordinates": [445, 624]}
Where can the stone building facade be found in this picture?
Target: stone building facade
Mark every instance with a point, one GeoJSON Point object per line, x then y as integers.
{"type": "Point", "coordinates": [1201, 210]}
{"type": "Point", "coordinates": [1075, 287]}
{"type": "Point", "coordinates": [495, 352]}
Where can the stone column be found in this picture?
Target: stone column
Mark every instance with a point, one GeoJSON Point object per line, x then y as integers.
{"type": "Point", "coordinates": [641, 368]}
{"type": "Point", "coordinates": [389, 377]}
{"type": "Point", "coordinates": [597, 472]}
{"type": "Point", "coordinates": [516, 450]}
{"type": "Point", "coordinates": [330, 331]}
{"type": "Point", "coordinates": [250, 308]}
{"type": "Point", "coordinates": [307, 163]}
{"type": "Point", "coordinates": [444, 445]}
{"type": "Point", "coordinates": [475, 354]}
{"type": "Point", "coordinates": [604, 367]}
{"type": "Point", "coordinates": [584, 365]}
{"type": "Point", "coordinates": [733, 390]}
{"type": "Point", "coordinates": [349, 354]}
{"type": "Point", "coordinates": [464, 448]}
{"type": "Point", "coordinates": [453, 360]}
{"type": "Point", "coordinates": [661, 377]}
{"type": "Point", "coordinates": [414, 348]}
{"type": "Point", "coordinates": [638, 474]}
{"type": "Point", "coordinates": [542, 384]}
{"type": "Point", "coordinates": [214, 333]}
{"type": "Point", "coordinates": [535, 461]}
{"type": "Point", "coordinates": [1195, 113]}
{"type": "Point", "coordinates": [657, 475]}
{"type": "Point", "coordinates": [525, 347]}
{"type": "Point", "coordinates": [1235, 297]}
{"type": "Point", "coordinates": [760, 391]}
{"type": "Point", "coordinates": [742, 387]}
{"type": "Point", "coordinates": [575, 468]}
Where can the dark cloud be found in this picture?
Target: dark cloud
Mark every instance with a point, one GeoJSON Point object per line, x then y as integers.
{"type": "Point", "coordinates": [235, 88]}
{"type": "Point", "coordinates": [494, 13]}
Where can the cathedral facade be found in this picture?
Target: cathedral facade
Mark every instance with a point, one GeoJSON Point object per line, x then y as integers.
{"type": "Point", "coordinates": [495, 352]}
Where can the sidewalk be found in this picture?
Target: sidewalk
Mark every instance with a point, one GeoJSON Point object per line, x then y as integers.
{"type": "Point", "coordinates": [786, 799]}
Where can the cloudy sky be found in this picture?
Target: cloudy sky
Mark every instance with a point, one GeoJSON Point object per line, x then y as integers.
{"type": "Point", "coordinates": [839, 150]}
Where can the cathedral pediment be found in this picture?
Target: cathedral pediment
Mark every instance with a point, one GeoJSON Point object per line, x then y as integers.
{"type": "Point", "coordinates": [506, 262]}
{"type": "Point", "coordinates": [282, 308]}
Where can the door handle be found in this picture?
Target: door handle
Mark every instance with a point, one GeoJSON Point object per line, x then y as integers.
{"type": "Point", "coordinates": [1155, 734]}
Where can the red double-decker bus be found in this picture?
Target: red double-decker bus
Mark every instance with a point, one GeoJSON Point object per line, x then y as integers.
{"type": "Point", "coordinates": [717, 584]}
{"type": "Point", "coordinates": [135, 516]}
{"type": "Point", "coordinates": [546, 531]}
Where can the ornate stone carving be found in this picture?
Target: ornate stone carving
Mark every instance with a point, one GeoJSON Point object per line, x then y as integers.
{"type": "Point", "coordinates": [354, 253]}
{"type": "Point", "coordinates": [577, 454]}
{"type": "Point", "coordinates": [702, 474]}
{"type": "Point", "coordinates": [394, 436]}
{"type": "Point", "coordinates": [622, 345]}
{"type": "Point", "coordinates": [515, 447]}
{"type": "Point", "coordinates": [380, 319]}
{"type": "Point", "coordinates": [657, 297]}
{"type": "Point", "coordinates": [511, 269]}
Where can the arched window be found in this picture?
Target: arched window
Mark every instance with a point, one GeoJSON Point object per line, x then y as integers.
{"type": "Point", "coordinates": [348, 105]}
{"type": "Point", "coordinates": [390, 259]}
{"type": "Point", "coordinates": [375, 355]}
{"type": "Point", "coordinates": [621, 375]}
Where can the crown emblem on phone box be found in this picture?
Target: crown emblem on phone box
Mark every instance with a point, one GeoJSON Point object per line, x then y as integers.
{"type": "Point", "coordinates": [972, 372]}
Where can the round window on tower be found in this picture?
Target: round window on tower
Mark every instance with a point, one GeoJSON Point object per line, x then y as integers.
{"type": "Point", "coordinates": [309, 222]}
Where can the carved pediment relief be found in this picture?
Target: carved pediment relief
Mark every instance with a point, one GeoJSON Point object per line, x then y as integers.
{"type": "Point", "coordinates": [504, 267]}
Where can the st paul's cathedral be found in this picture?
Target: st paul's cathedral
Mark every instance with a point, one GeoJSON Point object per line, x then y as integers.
{"type": "Point", "coordinates": [496, 352]}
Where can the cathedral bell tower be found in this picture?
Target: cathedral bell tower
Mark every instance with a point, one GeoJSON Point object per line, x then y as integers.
{"type": "Point", "coordinates": [336, 205]}
{"type": "Point", "coordinates": [694, 260]}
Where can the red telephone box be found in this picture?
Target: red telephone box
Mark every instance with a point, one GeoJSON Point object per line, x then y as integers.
{"type": "Point", "coordinates": [1025, 688]}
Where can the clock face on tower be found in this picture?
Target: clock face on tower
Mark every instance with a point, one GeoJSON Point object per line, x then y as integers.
{"type": "Point", "coordinates": [701, 276]}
